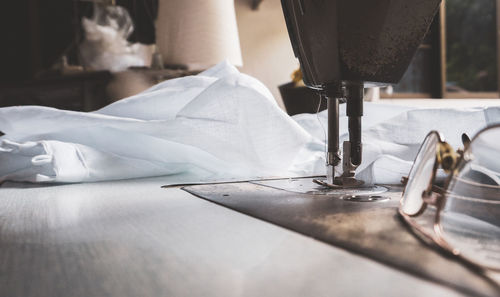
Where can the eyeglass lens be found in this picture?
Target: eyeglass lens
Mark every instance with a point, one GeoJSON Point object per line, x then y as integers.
{"type": "Point", "coordinates": [420, 175]}
{"type": "Point", "coordinates": [471, 217]}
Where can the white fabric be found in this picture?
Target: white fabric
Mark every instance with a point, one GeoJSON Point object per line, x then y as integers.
{"type": "Point", "coordinates": [218, 125]}
{"type": "Point", "coordinates": [393, 134]}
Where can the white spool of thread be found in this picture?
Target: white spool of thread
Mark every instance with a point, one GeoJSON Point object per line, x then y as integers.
{"type": "Point", "coordinates": [198, 33]}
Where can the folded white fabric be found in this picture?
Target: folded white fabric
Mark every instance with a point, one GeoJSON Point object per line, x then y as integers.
{"type": "Point", "coordinates": [218, 125]}
{"type": "Point", "coordinates": [393, 134]}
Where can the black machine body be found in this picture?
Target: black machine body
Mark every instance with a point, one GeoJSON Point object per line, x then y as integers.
{"type": "Point", "coordinates": [343, 45]}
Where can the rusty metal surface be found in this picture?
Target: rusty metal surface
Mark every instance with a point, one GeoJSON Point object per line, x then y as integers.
{"type": "Point", "coordinates": [370, 229]}
{"type": "Point", "coordinates": [379, 38]}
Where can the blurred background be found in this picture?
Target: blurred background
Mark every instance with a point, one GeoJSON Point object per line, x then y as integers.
{"type": "Point", "coordinates": [82, 55]}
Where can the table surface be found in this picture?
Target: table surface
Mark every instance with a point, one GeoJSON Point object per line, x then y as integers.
{"type": "Point", "coordinates": [133, 238]}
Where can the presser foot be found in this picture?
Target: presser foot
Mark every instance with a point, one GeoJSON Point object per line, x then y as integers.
{"type": "Point", "coordinates": [346, 180]}
{"type": "Point", "coordinates": [347, 187]}
{"type": "Point", "coordinates": [340, 183]}
{"type": "Point", "coordinates": [351, 189]}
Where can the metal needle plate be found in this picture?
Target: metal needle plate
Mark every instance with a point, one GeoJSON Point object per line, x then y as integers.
{"type": "Point", "coordinates": [307, 186]}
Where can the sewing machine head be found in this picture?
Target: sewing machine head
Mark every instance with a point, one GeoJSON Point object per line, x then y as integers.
{"type": "Point", "coordinates": [345, 45]}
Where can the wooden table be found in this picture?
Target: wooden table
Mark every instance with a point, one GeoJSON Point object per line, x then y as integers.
{"type": "Point", "coordinates": [132, 238]}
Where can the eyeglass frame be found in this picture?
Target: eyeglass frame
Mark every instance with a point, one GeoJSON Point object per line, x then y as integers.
{"type": "Point", "coordinates": [437, 196]}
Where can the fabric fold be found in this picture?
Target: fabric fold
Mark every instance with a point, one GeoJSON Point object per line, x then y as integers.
{"type": "Point", "coordinates": [217, 125]}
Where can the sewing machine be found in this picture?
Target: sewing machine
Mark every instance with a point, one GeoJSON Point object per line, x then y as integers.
{"type": "Point", "coordinates": [134, 238]}
{"type": "Point", "coordinates": [346, 45]}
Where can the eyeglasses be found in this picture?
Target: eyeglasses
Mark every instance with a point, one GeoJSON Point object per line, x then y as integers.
{"type": "Point", "coordinates": [466, 218]}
